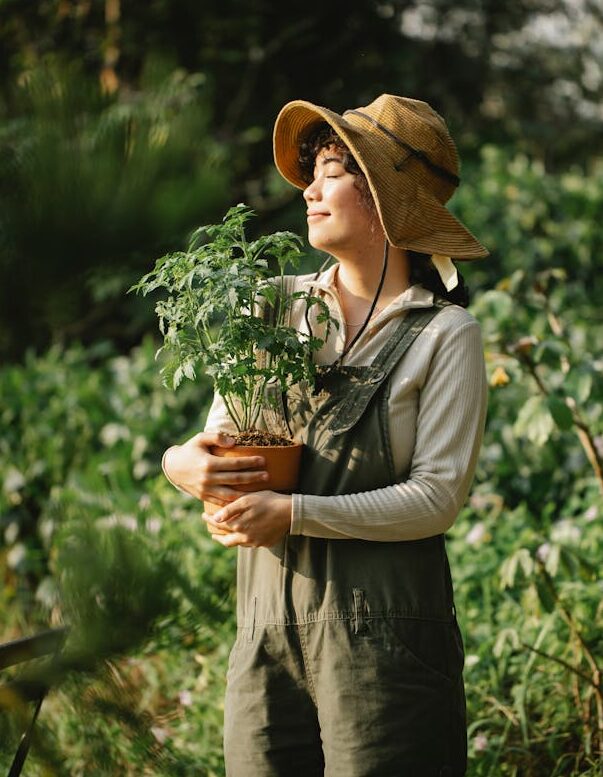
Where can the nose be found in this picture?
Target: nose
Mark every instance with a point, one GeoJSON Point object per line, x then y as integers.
{"type": "Point", "coordinates": [312, 191]}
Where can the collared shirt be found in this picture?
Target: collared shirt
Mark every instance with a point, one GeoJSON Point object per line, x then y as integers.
{"type": "Point", "coordinates": [437, 409]}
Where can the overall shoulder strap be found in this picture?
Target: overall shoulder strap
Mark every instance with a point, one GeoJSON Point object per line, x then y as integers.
{"type": "Point", "coordinates": [351, 410]}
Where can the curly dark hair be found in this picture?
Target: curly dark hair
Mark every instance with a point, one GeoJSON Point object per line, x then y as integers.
{"type": "Point", "coordinates": [422, 271]}
{"type": "Point", "coordinates": [324, 136]}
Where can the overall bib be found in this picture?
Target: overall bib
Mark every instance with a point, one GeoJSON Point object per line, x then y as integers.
{"type": "Point", "coordinates": [348, 659]}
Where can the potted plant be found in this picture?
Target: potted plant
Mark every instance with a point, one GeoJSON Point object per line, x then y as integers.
{"type": "Point", "coordinates": [226, 314]}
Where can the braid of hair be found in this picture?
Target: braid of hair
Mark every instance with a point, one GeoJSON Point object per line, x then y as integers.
{"type": "Point", "coordinates": [422, 271]}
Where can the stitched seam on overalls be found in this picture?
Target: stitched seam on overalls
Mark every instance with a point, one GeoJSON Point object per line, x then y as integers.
{"type": "Point", "coordinates": [251, 632]}
{"type": "Point", "coordinates": [383, 411]}
{"type": "Point", "coordinates": [342, 615]}
{"type": "Point", "coordinates": [306, 660]}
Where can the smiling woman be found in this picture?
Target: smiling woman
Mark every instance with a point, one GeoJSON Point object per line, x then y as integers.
{"type": "Point", "coordinates": [348, 659]}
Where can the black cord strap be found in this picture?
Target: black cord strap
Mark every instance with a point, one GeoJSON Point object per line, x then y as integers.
{"type": "Point", "coordinates": [420, 155]}
{"type": "Point", "coordinates": [372, 308]}
{"type": "Point", "coordinates": [370, 313]}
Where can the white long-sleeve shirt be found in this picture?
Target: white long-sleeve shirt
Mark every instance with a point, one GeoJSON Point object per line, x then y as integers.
{"type": "Point", "coordinates": [437, 410]}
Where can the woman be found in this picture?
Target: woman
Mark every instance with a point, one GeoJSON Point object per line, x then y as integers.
{"type": "Point", "coordinates": [348, 659]}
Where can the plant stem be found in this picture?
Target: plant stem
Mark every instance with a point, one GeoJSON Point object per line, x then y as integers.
{"type": "Point", "coordinates": [560, 661]}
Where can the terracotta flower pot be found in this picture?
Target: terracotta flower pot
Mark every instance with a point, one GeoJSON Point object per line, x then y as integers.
{"type": "Point", "coordinates": [282, 465]}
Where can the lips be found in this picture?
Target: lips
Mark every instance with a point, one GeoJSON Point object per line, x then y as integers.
{"type": "Point", "coordinates": [317, 213]}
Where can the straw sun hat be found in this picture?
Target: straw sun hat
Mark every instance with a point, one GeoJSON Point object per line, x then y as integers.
{"type": "Point", "coordinates": [411, 165]}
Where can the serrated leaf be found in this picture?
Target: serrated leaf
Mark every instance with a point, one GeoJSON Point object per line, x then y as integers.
{"type": "Point", "coordinates": [189, 370]}
{"type": "Point", "coordinates": [177, 377]}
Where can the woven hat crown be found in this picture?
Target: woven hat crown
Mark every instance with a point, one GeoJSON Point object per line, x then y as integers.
{"type": "Point", "coordinates": [417, 124]}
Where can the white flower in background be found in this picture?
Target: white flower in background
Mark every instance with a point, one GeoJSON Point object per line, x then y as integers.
{"type": "Point", "coordinates": [476, 534]}
{"type": "Point", "coordinates": [565, 531]}
{"type": "Point", "coordinates": [11, 533]}
{"type": "Point", "coordinates": [16, 555]}
{"type": "Point", "coordinates": [478, 501]}
{"type": "Point", "coordinates": [144, 502]}
{"type": "Point", "coordinates": [160, 734]}
{"type": "Point", "coordinates": [141, 469]}
{"type": "Point", "coordinates": [46, 529]}
{"type": "Point", "coordinates": [139, 447]}
{"type": "Point", "coordinates": [543, 552]}
{"type": "Point", "coordinates": [480, 743]}
{"type": "Point", "coordinates": [110, 521]}
{"type": "Point", "coordinates": [128, 522]}
{"type": "Point", "coordinates": [153, 525]}
{"type": "Point", "coordinates": [112, 433]}
{"type": "Point", "coordinates": [107, 521]}
{"type": "Point", "coordinates": [121, 367]}
{"type": "Point", "coordinates": [185, 698]}
{"type": "Point", "coordinates": [13, 480]}
{"type": "Point", "coordinates": [471, 660]}
{"type": "Point", "coordinates": [591, 514]}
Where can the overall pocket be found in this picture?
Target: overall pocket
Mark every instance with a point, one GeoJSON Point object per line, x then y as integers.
{"type": "Point", "coordinates": [424, 645]}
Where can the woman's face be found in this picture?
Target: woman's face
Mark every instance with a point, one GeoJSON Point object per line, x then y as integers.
{"type": "Point", "coordinates": [339, 219]}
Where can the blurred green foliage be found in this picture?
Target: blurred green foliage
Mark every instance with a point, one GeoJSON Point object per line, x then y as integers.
{"type": "Point", "coordinates": [90, 186]}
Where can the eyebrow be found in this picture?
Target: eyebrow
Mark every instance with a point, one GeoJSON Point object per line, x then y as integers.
{"type": "Point", "coordinates": [325, 161]}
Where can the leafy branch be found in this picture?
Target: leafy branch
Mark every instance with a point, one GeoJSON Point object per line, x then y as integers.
{"type": "Point", "coordinates": [226, 315]}
{"type": "Point", "coordinates": [563, 381]}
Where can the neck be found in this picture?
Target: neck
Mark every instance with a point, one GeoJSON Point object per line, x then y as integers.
{"type": "Point", "coordinates": [358, 276]}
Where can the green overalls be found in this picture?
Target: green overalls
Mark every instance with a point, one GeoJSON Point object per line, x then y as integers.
{"type": "Point", "coordinates": [348, 659]}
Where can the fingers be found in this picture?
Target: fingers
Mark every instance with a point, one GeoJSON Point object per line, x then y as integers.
{"type": "Point", "coordinates": [221, 495]}
{"type": "Point", "coordinates": [231, 540]}
{"type": "Point", "coordinates": [233, 463]}
{"type": "Point", "coordinates": [229, 511]}
{"type": "Point", "coordinates": [234, 479]}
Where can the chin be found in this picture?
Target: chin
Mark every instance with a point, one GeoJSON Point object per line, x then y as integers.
{"type": "Point", "coordinates": [324, 244]}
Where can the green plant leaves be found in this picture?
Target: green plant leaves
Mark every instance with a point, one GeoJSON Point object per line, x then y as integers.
{"type": "Point", "coordinates": [226, 316]}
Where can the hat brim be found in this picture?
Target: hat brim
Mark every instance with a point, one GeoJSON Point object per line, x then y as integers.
{"type": "Point", "coordinates": [411, 216]}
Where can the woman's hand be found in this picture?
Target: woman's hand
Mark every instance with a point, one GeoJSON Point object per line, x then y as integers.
{"type": "Point", "coordinates": [255, 520]}
{"type": "Point", "coordinates": [192, 468]}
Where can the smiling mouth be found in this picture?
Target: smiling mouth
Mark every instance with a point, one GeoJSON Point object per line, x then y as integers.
{"type": "Point", "coordinates": [316, 215]}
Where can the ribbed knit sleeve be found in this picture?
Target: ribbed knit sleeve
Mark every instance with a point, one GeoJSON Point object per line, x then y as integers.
{"type": "Point", "coordinates": [449, 429]}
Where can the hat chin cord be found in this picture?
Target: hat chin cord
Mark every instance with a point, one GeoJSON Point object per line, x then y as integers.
{"type": "Point", "coordinates": [358, 334]}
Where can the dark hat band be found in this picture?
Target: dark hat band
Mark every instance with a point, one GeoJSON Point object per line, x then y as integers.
{"type": "Point", "coordinates": [420, 155]}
